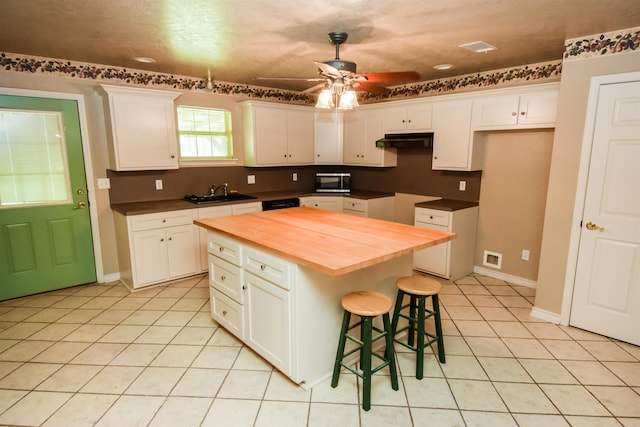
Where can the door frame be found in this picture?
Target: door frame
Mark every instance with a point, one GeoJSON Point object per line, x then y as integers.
{"type": "Point", "coordinates": [86, 151]}
{"type": "Point", "coordinates": [581, 187]}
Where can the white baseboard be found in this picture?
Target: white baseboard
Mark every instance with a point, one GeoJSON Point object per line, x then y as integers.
{"type": "Point", "coordinates": [110, 278]}
{"type": "Point", "coordinates": [506, 277]}
{"type": "Point", "coordinates": [541, 314]}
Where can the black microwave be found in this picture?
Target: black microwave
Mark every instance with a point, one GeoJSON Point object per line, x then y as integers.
{"type": "Point", "coordinates": [333, 182]}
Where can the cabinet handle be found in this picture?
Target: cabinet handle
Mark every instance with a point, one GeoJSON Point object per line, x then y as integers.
{"type": "Point", "coordinates": [430, 216]}
{"type": "Point", "coordinates": [513, 113]}
{"type": "Point", "coordinates": [170, 238]}
{"type": "Point", "coordinates": [223, 278]}
{"type": "Point", "coordinates": [162, 239]}
{"type": "Point", "coordinates": [285, 156]}
{"type": "Point", "coordinates": [244, 287]}
{"type": "Point", "coordinates": [173, 157]}
{"type": "Point", "coordinates": [164, 220]}
{"type": "Point", "coordinates": [409, 121]}
{"type": "Point", "coordinates": [221, 248]}
{"type": "Point", "coordinates": [224, 312]}
{"type": "Point", "coordinates": [262, 267]}
{"type": "Point", "coordinates": [522, 113]}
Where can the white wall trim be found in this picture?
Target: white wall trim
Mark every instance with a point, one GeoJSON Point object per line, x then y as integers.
{"type": "Point", "coordinates": [541, 314]}
{"type": "Point", "coordinates": [113, 277]}
{"type": "Point", "coordinates": [91, 188]}
{"type": "Point", "coordinates": [581, 187]}
{"type": "Point", "coordinates": [506, 277]}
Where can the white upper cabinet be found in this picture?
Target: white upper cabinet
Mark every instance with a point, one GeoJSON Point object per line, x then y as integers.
{"type": "Point", "coordinates": [328, 137]}
{"type": "Point", "coordinates": [143, 128]}
{"type": "Point", "coordinates": [408, 116]}
{"type": "Point", "coordinates": [362, 128]}
{"type": "Point", "coordinates": [277, 134]}
{"type": "Point", "coordinates": [453, 142]}
{"type": "Point", "coordinates": [529, 109]}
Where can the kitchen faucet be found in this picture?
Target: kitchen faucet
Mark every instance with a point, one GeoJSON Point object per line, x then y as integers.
{"type": "Point", "coordinates": [225, 190]}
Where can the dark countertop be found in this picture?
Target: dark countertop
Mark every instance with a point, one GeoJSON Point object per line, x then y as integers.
{"type": "Point", "coordinates": [154, 206]}
{"type": "Point", "coordinates": [446, 204]}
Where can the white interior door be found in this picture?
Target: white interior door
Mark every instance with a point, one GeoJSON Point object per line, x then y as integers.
{"type": "Point", "coordinates": [606, 297]}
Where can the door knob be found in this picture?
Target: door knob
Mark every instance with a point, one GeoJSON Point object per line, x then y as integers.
{"type": "Point", "coordinates": [591, 226]}
{"type": "Point", "coordinates": [80, 205]}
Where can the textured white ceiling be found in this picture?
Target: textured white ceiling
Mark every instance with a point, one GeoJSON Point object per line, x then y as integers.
{"type": "Point", "coordinates": [240, 40]}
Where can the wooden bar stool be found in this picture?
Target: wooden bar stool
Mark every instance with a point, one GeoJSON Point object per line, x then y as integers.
{"type": "Point", "coordinates": [367, 305]}
{"type": "Point", "coordinates": [418, 288]}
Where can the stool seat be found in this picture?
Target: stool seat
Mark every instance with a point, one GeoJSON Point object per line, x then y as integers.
{"type": "Point", "coordinates": [366, 303]}
{"type": "Point", "coordinates": [419, 285]}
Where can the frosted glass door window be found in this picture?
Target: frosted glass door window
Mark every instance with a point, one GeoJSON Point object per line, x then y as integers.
{"type": "Point", "coordinates": [33, 161]}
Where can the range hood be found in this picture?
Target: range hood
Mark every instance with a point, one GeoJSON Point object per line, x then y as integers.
{"type": "Point", "coordinates": [406, 140]}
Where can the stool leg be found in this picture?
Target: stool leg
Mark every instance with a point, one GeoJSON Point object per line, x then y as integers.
{"type": "Point", "coordinates": [396, 311]}
{"type": "Point", "coordinates": [436, 309]}
{"type": "Point", "coordinates": [389, 353]}
{"type": "Point", "coordinates": [420, 344]}
{"type": "Point", "coordinates": [340, 353]}
{"type": "Point", "coordinates": [365, 361]}
{"type": "Point", "coordinates": [412, 324]}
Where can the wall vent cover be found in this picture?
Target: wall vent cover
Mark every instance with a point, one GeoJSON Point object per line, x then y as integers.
{"type": "Point", "coordinates": [492, 259]}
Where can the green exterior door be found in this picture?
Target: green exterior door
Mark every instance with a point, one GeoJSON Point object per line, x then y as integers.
{"type": "Point", "coordinates": [45, 229]}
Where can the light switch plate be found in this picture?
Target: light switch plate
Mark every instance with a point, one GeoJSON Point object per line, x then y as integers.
{"type": "Point", "coordinates": [251, 179]}
{"type": "Point", "coordinates": [158, 184]}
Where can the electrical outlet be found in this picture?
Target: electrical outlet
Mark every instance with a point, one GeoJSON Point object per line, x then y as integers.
{"type": "Point", "coordinates": [525, 254]}
{"type": "Point", "coordinates": [251, 179]}
{"type": "Point", "coordinates": [463, 186]}
{"type": "Point", "coordinates": [104, 183]}
{"type": "Point", "coordinates": [158, 184]}
{"type": "Point", "coordinates": [295, 176]}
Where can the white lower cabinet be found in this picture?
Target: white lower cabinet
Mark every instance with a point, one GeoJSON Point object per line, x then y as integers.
{"type": "Point", "coordinates": [453, 259]}
{"type": "Point", "coordinates": [379, 208]}
{"type": "Point", "coordinates": [155, 248]}
{"type": "Point", "coordinates": [327, 203]}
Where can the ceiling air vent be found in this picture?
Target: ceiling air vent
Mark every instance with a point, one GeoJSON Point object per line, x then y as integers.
{"type": "Point", "coordinates": [478, 47]}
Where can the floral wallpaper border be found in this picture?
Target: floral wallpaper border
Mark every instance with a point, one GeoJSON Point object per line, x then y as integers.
{"type": "Point", "coordinates": [602, 44]}
{"type": "Point", "coordinates": [549, 71]}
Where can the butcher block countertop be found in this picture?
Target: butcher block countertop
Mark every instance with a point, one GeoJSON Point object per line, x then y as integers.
{"type": "Point", "coordinates": [331, 242]}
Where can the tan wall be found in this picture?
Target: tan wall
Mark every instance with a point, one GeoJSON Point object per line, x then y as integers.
{"type": "Point", "coordinates": [512, 199]}
{"type": "Point", "coordinates": [563, 176]}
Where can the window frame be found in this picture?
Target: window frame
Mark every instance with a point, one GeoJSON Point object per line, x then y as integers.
{"type": "Point", "coordinates": [206, 161]}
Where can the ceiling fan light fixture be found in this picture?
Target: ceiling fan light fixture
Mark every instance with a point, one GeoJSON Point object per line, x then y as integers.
{"type": "Point", "coordinates": [325, 99]}
{"type": "Point", "coordinates": [348, 100]}
{"type": "Point", "coordinates": [209, 85]}
{"type": "Point", "coordinates": [144, 59]}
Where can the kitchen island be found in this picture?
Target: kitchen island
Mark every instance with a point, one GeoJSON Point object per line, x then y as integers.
{"type": "Point", "coordinates": [277, 278]}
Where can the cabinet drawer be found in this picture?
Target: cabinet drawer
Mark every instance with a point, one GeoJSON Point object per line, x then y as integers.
{"type": "Point", "coordinates": [224, 248]}
{"type": "Point", "coordinates": [161, 220]}
{"type": "Point", "coordinates": [226, 278]}
{"type": "Point", "coordinates": [268, 267]}
{"type": "Point", "coordinates": [432, 216]}
{"type": "Point", "coordinates": [354, 205]}
{"type": "Point", "coordinates": [227, 313]}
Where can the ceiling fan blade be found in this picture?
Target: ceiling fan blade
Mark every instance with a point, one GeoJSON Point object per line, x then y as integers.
{"type": "Point", "coordinates": [328, 70]}
{"type": "Point", "coordinates": [367, 86]}
{"type": "Point", "coordinates": [314, 88]}
{"type": "Point", "coordinates": [398, 76]}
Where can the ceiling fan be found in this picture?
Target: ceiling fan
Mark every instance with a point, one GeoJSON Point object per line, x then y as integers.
{"type": "Point", "coordinates": [339, 75]}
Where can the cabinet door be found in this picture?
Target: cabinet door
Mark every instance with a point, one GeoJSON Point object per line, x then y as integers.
{"type": "Point", "coordinates": [452, 144]}
{"type": "Point", "coordinates": [538, 108]}
{"type": "Point", "coordinates": [270, 136]}
{"type": "Point", "coordinates": [372, 155]}
{"type": "Point", "coordinates": [181, 249]}
{"type": "Point", "coordinates": [395, 119]}
{"type": "Point", "coordinates": [150, 259]}
{"type": "Point", "coordinates": [243, 208]}
{"type": "Point", "coordinates": [268, 321]}
{"type": "Point", "coordinates": [300, 137]}
{"type": "Point", "coordinates": [328, 137]}
{"type": "Point", "coordinates": [354, 136]}
{"type": "Point", "coordinates": [496, 111]}
{"type": "Point", "coordinates": [435, 259]}
{"type": "Point", "coordinates": [143, 124]}
{"type": "Point", "coordinates": [419, 116]}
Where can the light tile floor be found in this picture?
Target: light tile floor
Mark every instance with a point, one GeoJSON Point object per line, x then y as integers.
{"type": "Point", "coordinates": [99, 355]}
